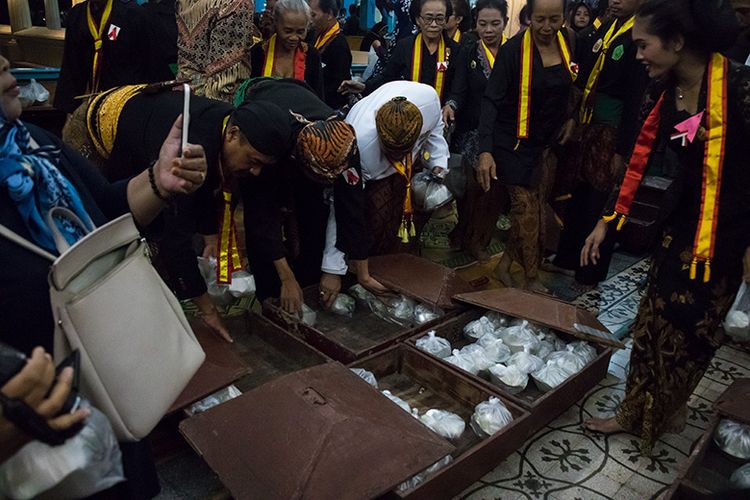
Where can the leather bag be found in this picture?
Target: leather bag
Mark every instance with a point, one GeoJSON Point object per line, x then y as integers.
{"type": "Point", "coordinates": [137, 349]}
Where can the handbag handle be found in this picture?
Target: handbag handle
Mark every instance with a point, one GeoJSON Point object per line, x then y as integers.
{"type": "Point", "coordinates": [60, 242]}
{"type": "Point", "coordinates": [23, 242]}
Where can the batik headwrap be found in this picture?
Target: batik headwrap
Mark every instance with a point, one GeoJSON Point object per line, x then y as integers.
{"type": "Point", "coordinates": [398, 123]}
{"type": "Point", "coordinates": [324, 147]}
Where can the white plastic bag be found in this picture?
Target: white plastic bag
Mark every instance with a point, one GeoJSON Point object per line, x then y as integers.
{"type": "Point", "coordinates": [478, 328]}
{"type": "Point", "coordinates": [740, 478]}
{"type": "Point", "coordinates": [550, 375]}
{"type": "Point", "coordinates": [419, 478]}
{"type": "Point", "coordinates": [497, 319]}
{"type": "Point", "coordinates": [525, 361]}
{"type": "Point", "coordinates": [343, 305]}
{"type": "Point", "coordinates": [519, 337]}
{"type": "Point", "coordinates": [557, 343]}
{"type": "Point", "coordinates": [215, 399]}
{"type": "Point", "coordinates": [568, 361]}
{"type": "Point", "coordinates": [309, 316]}
{"type": "Point", "coordinates": [544, 349]}
{"type": "Point", "coordinates": [429, 193]}
{"type": "Point", "coordinates": [85, 464]}
{"type": "Point", "coordinates": [737, 322]}
{"type": "Point", "coordinates": [403, 404]}
{"type": "Point", "coordinates": [583, 349]}
{"type": "Point", "coordinates": [32, 92]}
{"type": "Point", "coordinates": [489, 417]}
{"type": "Point", "coordinates": [478, 356]}
{"type": "Point", "coordinates": [220, 294]}
{"type": "Point", "coordinates": [509, 378]}
{"type": "Point", "coordinates": [466, 363]}
{"type": "Point", "coordinates": [367, 376]}
{"type": "Point", "coordinates": [437, 346]}
{"type": "Point", "coordinates": [733, 438]}
{"type": "Point", "coordinates": [242, 285]}
{"type": "Point", "coordinates": [495, 349]}
{"type": "Point", "coordinates": [444, 423]}
{"type": "Point", "coordinates": [424, 314]}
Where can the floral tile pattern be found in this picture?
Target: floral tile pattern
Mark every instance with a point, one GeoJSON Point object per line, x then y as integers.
{"type": "Point", "coordinates": [563, 461]}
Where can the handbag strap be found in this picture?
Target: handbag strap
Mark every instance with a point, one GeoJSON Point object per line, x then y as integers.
{"type": "Point", "coordinates": [23, 242]}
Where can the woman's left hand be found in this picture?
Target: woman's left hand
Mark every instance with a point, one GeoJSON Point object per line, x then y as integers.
{"type": "Point", "coordinates": [746, 266]}
{"type": "Point", "coordinates": [179, 173]}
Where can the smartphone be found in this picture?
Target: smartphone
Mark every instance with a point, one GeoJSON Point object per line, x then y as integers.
{"type": "Point", "coordinates": [185, 114]}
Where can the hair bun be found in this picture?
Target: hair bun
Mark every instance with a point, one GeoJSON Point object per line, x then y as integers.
{"type": "Point", "coordinates": [715, 23]}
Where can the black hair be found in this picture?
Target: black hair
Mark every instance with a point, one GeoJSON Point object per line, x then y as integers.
{"type": "Point", "coordinates": [530, 9]}
{"type": "Point", "coordinates": [500, 5]}
{"type": "Point", "coordinates": [524, 17]}
{"type": "Point", "coordinates": [416, 8]}
{"type": "Point", "coordinates": [329, 6]}
{"type": "Point", "coordinates": [601, 7]}
{"type": "Point", "coordinates": [705, 25]}
{"type": "Point", "coordinates": [574, 9]}
{"type": "Point", "coordinates": [354, 9]}
{"type": "Point", "coordinates": [461, 8]}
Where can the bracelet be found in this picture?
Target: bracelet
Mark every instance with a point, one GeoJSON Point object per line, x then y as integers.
{"type": "Point", "coordinates": [152, 181]}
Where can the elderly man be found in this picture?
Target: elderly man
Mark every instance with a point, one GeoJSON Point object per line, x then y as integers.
{"type": "Point", "coordinates": [334, 50]}
{"type": "Point", "coordinates": [399, 132]}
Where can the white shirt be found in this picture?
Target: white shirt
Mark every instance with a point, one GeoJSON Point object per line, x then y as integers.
{"type": "Point", "coordinates": [372, 160]}
{"type": "Point", "coordinates": [374, 163]}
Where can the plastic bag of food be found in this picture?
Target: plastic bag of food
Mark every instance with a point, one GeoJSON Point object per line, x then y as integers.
{"type": "Point", "coordinates": [466, 363]}
{"type": "Point", "coordinates": [478, 356]}
{"type": "Point", "coordinates": [740, 479]}
{"type": "Point", "coordinates": [737, 321]}
{"type": "Point", "coordinates": [550, 376]}
{"type": "Point", "coordinates": [733, 438]}
{"type": "Point", "coordinates": [424, 314]}
{"type": "Point", "coordinates": [525, 361]}
{"type": "Point", "coordinates": [403, 404]}
{"type": "Point", "coordinates": [478, 328]}
{"type": "Point", "coordinates": [557, 343]}
{"type": "Point", "coordinates": [437, 346]}
{"type": "Point", "coordinates": [494, 349]}
{"type": "Point", "coordinates": [32, 92]}
{"type": "Point", "coordinates": [343, 305]}
{"type": "Point", "coordinates": [498, 320]}
{"type": "Point", "coordinates": [367, 376]}
{"type": "Point", "coordinates": [402, 308]}
{"type": "Point", "coordinates": [489, 417]}
{"type": "Point", "coordinates": [360, 293]}
{"type": "Point", "coordinates": [583, 349]}
{"type": "Point", "coordinates": [215, 399]}
{"type": "Point", "coordinates": [429, 192]}
{"type": "Point", "coordinates": [567, 360]}
{"type": "Point", "coordinates": [242, 285]}
{"type": "Point", "coordinates": [519, 337]}
{"type": "Point", "coordinates": [544, 349]}
{"type": "Point", "coordinates": [419, 478]}
{"type": "Point", "coordinates": [444, 423]}
{"type": "Point", "coordinates": [220, 294]}
{"type": "Point", "coordinates": [509, 378]}
{"type": "Point", "coordinates": [309, 316]}
{"type": "Point", "coordinates": [85, 464]}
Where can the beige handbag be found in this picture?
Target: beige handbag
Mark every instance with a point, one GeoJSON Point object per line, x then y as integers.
{"type": "Point", "coordinates": [137, 349]}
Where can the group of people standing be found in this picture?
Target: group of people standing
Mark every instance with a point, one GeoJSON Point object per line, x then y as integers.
{"type": "Point", "coordinates": [582, 108]}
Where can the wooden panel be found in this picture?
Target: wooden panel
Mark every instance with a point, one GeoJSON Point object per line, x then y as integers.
{"type": "Point", "coordinates": [424, 384]}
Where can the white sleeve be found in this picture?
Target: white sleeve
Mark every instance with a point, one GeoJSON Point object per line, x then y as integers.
{"type": "Point", "coordinates": [334, 261]}
{"type": "Point", "coordinates": [437, 147]}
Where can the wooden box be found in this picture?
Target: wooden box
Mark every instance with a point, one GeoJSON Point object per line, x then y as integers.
{"type": "Point", "coordinates": [348, 339]}
{"type": "Point", "coordinates": [708, 469]}
{"type": "Point", "coordinates": [425, 383]}
{"type": "Point", "coordinates": [546, 311]}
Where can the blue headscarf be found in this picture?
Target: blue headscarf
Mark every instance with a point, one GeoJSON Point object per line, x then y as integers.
{"type": "Point", "coordinates": [35, 184]}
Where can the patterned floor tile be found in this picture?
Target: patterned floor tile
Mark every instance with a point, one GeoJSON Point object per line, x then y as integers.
{"type": "Point", "coordinates": [492, 492]}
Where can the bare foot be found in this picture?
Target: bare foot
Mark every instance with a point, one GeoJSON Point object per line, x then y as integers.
{"type": "Point", "coordinates": [502, 271]}
{"type": "Point", "coordinates": [678, 422]}
{"type": "Point", "coordinates": [550, 267]}
{"type": "Point", "coordinates": [603, 425]}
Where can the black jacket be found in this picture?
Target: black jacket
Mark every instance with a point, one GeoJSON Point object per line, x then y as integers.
{"type": "Point", "coordinates": [337, 67]}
